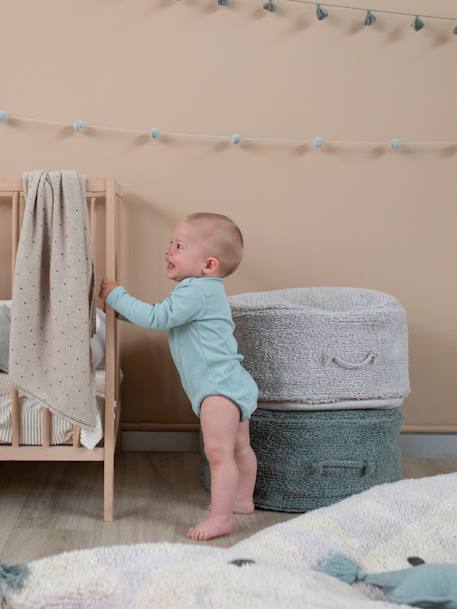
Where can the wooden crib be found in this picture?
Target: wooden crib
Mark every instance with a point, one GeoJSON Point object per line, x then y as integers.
{"type": "Point", "coordinates": [109, 191]}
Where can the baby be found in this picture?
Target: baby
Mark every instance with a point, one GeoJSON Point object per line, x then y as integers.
{"type": "Point", "coordinates": [205, 248]}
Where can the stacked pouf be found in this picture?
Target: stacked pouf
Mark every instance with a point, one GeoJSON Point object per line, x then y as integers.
{"type": "Point", "coordinates": [332, 369]}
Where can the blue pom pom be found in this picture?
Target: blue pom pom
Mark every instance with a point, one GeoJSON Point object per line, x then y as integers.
{"type": "Point", "coordinates": [3, 116]}
{"type": "Point", "coordinates": [343, 568]}
{"type": "Point", "coordinates": [155, 133]}
{"type": "Point", "coordinates": [321, 13]}
{"type": "Point", "coordinates": [223, 2]}
{"type": "Point", "coordinates": [270, 6]}
{"type": "Point", "coordinates": [79, 125]}
{"type": "Point", "coordinates": [370, 19]}
{"type": "Point", "coordinates": [394, 144]}
{"type": "Point", "coordinates": [418, 24]}
{"type": "Point", "coordinates": [318, 142]}
{"type": "Point", "coordinates": [236, 138]}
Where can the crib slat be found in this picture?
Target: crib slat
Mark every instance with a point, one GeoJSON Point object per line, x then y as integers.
{"type": "Point", "coordinates": [15, 418]}
{"type": "Point", "coordinates": [76, 435]}
{"type": "Point", "coordinates": [14, 233]}
{"type": "Point", "coordinates": [110, 346]}
{"type": "Point", "coordinates": [21, 209]}
{"type": "Point", "coordinates": [15, 412]}
{"type": "Point", "coordinates": [93, 229]}
{"type": "Point", "coordinates": [45, 427]}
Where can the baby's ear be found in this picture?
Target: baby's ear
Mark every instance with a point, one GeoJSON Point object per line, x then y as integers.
{"type": "Point", "coordinates": [212, 265]}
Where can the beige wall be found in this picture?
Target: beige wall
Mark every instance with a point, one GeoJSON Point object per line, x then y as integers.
{"type": "Point", "coordinates": [350, 216]}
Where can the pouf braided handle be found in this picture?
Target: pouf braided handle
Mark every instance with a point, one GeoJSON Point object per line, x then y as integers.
{"type": "Point", "coordinates": [366, 468]}
{"type": "Point", "coordinates": [371, 356]}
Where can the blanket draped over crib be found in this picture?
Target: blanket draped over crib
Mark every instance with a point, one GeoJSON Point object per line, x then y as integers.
{"type": "Point", "coordinates": [53, 305]}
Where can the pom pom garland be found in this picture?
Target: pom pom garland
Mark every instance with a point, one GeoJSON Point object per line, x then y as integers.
{"type": "Point", "coordinates": [79, 125]}
{"type": "Point", "coordinates": [418, 24]}
{"type": "Point", "coordinates": [370, 19]}
{"type": "Point", "coordinates": [394, 144]}
{"type": "Point", "coordinates": [235, 138]}
{"type": "Point", "coordinates": [321, 13]}
{"type": "Point", "coordinates": [318, 142]}
{"type": "Point", "coordinates": [270, 6]}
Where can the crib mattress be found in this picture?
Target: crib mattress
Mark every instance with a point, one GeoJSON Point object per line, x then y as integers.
{"type": "Point", "coordinates": [323, 345]}
{"type": "Point", "coordinates": [61, 430]}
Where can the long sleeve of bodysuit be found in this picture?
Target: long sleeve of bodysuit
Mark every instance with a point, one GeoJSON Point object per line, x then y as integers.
{"type": "Point", "coordinates": [182, 306]}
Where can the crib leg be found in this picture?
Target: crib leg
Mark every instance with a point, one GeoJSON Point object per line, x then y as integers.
{"type": "Point", "coordinates": [109, 462]}
{"type": "Point", "coordinates": [110, 352]}
{"type": "Point", "coordinates": [108, 484]}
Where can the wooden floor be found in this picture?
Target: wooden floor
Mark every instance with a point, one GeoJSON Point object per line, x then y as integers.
{"type": "Point", "coordinates": [47, 508]}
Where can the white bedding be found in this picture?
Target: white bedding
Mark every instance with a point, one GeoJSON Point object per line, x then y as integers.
{"type": "Point", "coordinates": [61, 432]}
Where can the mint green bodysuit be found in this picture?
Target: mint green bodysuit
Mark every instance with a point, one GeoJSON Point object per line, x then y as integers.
{"type": "Point", "coordinates": [198, 317]}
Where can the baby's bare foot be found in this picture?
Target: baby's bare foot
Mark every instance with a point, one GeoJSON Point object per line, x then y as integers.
{"type": "Point", "coordinates": [244, 508]}
{"type": "Point", "coordinates": [211, 527]}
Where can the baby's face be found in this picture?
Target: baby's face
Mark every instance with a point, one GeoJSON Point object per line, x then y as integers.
{"type": "Point", "coordinates": [185, 255]}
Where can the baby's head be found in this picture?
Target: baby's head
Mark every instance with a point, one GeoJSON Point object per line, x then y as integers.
{"type": "Point", "coordinates": [204, 245]}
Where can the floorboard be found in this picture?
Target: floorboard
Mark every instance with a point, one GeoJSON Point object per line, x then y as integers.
{"type": "Point", "coordinates": [47, 508]}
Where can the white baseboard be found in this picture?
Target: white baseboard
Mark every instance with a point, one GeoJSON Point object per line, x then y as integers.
{"type": "Point", "coordinates": [428, 444]}
{"type": "Point", "coordinates": [419, 444]}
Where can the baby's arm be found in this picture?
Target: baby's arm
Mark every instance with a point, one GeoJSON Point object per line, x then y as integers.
{"type": "Point", "coordinates": [181, 306]}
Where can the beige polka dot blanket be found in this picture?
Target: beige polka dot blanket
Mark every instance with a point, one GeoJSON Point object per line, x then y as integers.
{"type": "Point", "coordinates": [53, 306]}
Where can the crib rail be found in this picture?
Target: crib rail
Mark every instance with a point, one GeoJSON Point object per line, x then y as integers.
{"type": "Point", "coordinates": [96, 189]}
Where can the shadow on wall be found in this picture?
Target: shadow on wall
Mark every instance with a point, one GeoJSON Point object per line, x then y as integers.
{"type": "Point", "coordinates": [436, 354]}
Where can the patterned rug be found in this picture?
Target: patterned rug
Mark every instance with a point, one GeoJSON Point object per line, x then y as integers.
{"type": "Point", "coordinates": [274, 569]}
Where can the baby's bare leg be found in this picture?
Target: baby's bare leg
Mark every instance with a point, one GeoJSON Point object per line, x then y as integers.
{"type": "Point", "coordinates": [220, 420]}
{"type": "Point", "coordinates": [247, 467]}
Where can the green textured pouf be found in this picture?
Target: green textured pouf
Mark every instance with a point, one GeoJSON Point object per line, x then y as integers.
{"type": "Point", "coordinates": [308, 460]}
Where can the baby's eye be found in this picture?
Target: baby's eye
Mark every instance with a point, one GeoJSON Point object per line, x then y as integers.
{"type": "Point", "coordinates": [178, 246]}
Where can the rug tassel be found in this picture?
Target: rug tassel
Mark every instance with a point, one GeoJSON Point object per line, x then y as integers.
{"type": "Point", "coordinates": [12, 576]}
{"type": "Point", "coordinates": [343, 568]}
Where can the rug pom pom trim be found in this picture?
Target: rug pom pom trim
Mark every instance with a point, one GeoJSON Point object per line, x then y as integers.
{"type": "Point", "coordinates": [12, 577]}
{"type": "Point", "coordinates": [343, 568]}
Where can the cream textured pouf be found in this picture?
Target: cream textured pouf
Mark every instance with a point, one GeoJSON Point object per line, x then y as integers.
{"type": "Point", "coordinates": [322, 346]}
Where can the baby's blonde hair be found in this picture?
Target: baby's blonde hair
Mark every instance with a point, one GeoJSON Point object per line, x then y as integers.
{"type": "Point", "coordinates": [223, 239]}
